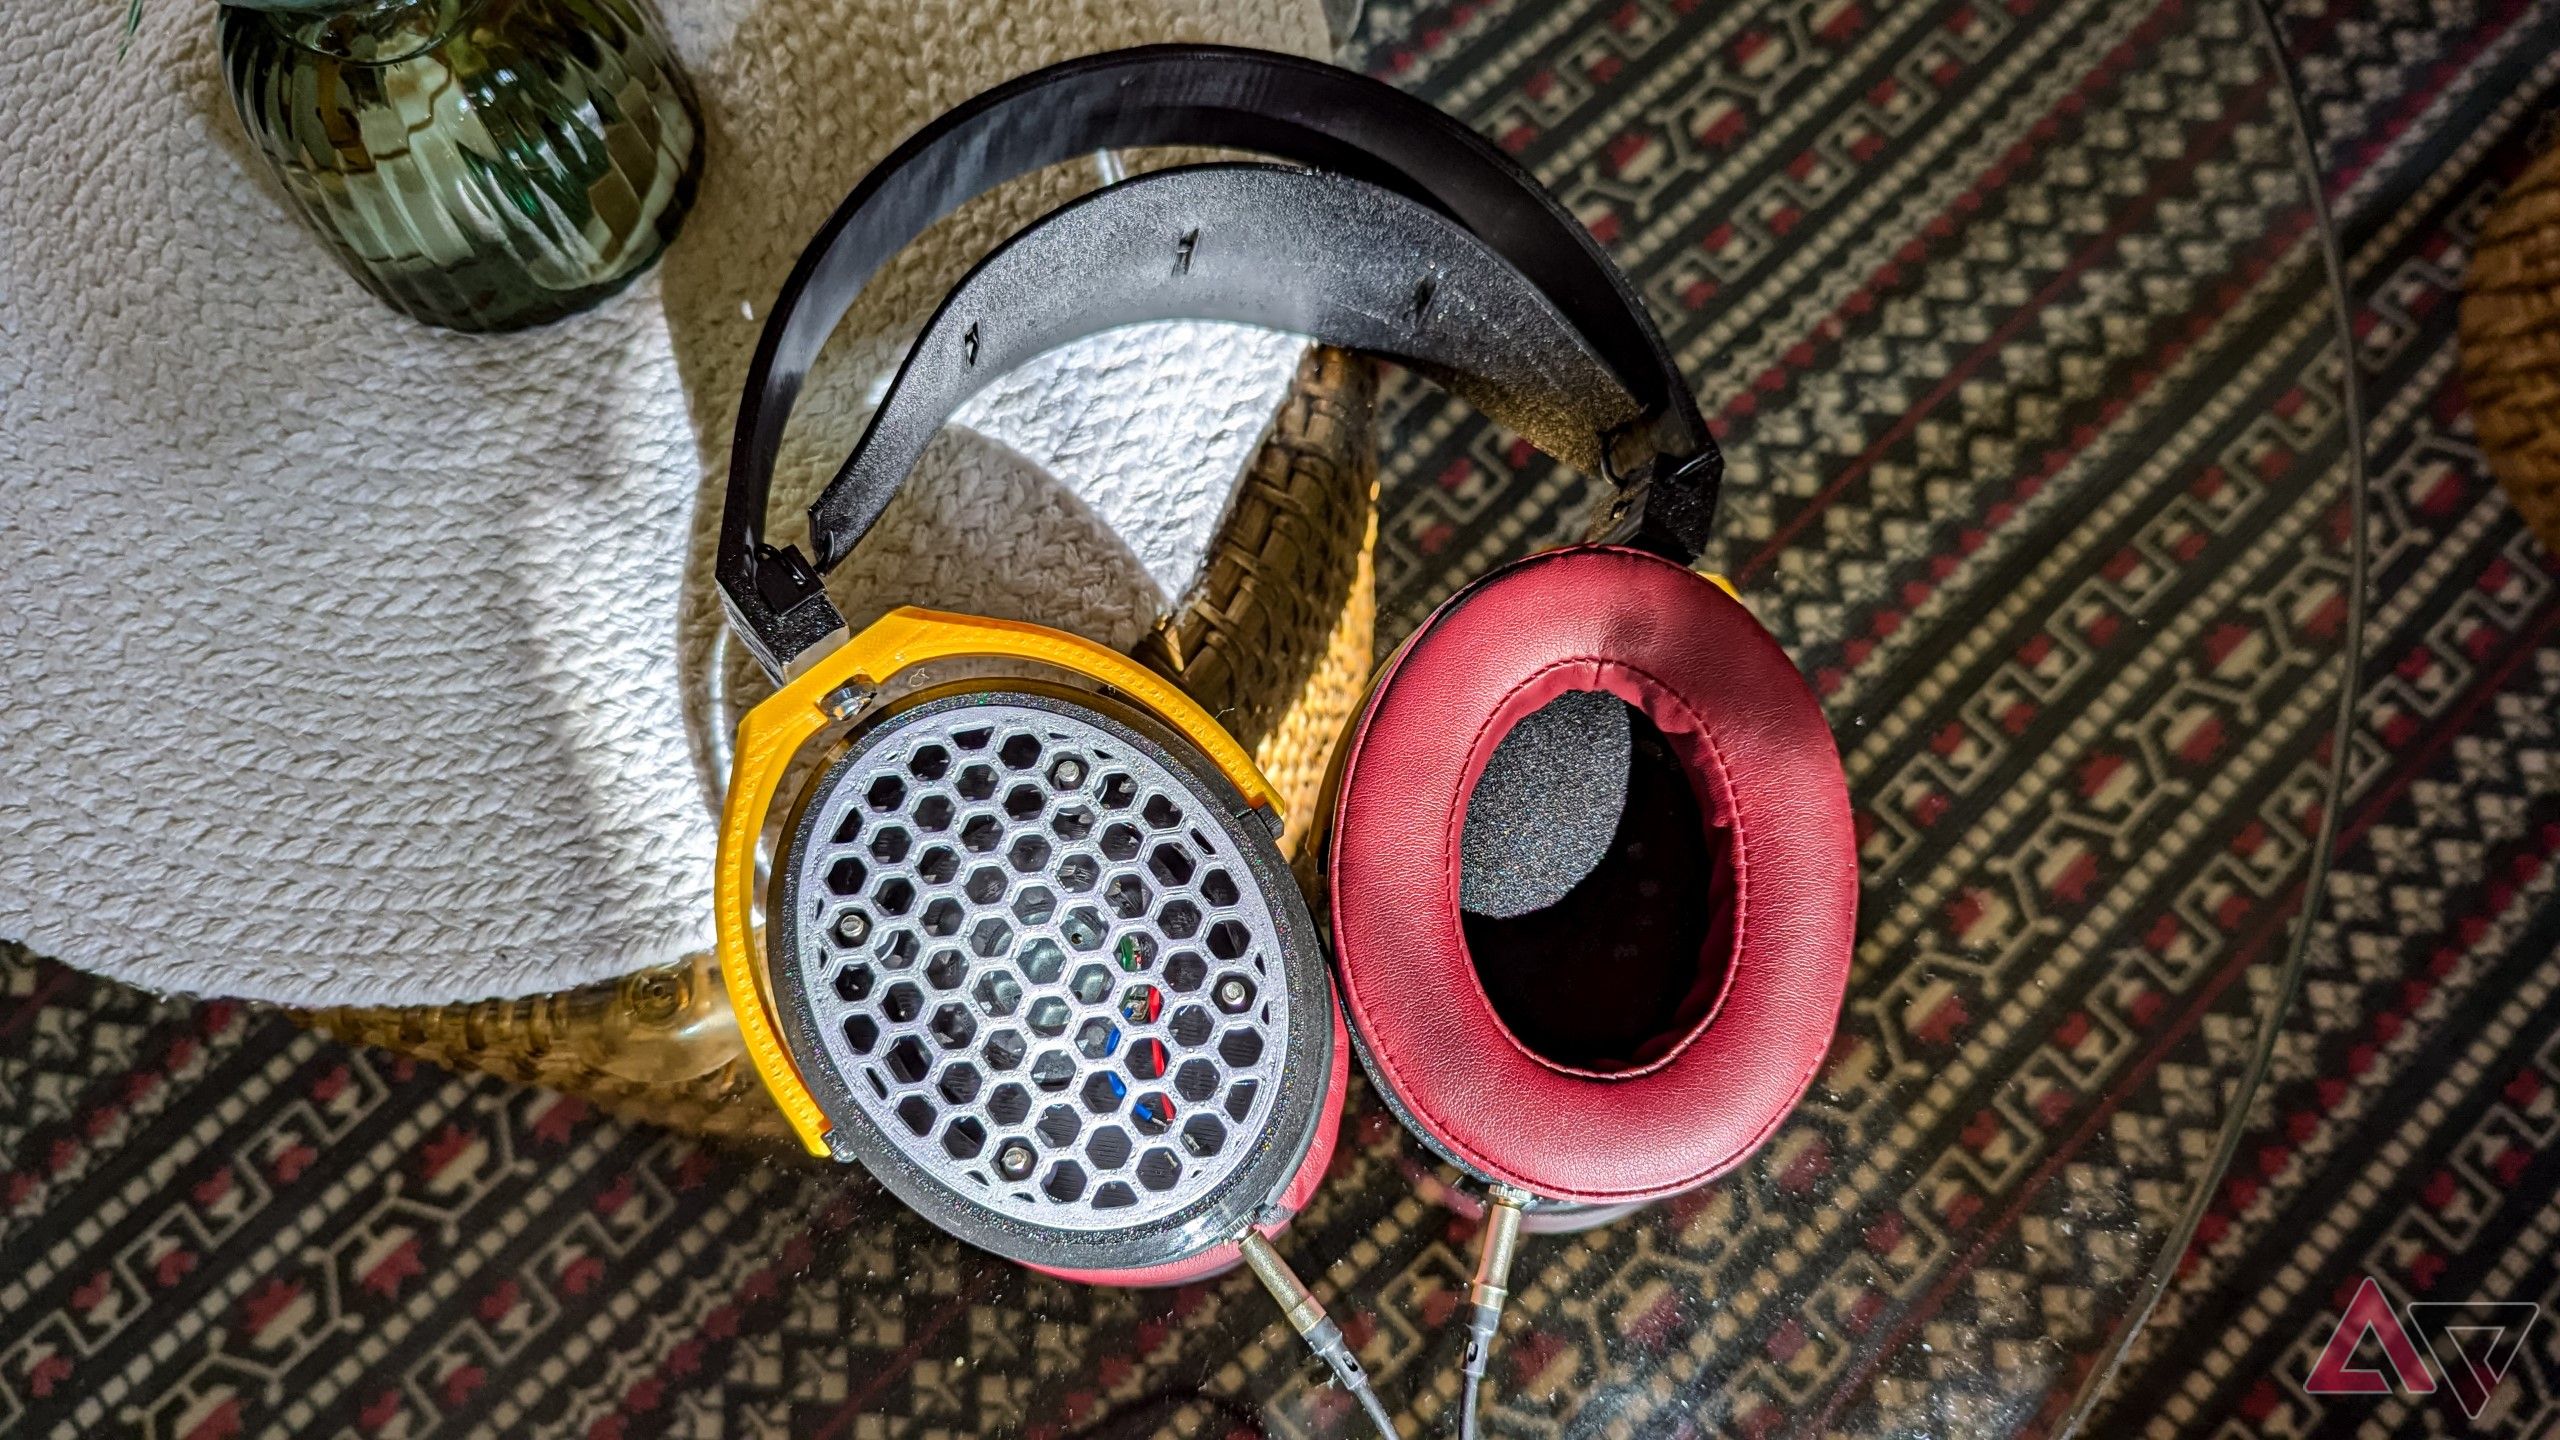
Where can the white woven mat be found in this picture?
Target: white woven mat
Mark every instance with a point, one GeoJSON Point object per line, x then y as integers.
{"type": "Point", "coordinates": [350, 661]}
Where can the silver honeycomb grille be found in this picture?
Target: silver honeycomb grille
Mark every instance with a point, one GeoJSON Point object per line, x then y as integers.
{"type": "Point", "coordinates": [1039, 960]}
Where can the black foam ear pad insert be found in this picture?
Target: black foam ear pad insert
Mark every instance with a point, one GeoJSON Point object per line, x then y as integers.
{"type": "Point", "coordinates": [1543, 813]}
{"type": "Point", "coordinates": [1627, 961]}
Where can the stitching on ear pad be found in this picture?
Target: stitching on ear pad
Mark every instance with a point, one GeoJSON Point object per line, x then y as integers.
{"type": "Point", "coordinates": [1780, 878]}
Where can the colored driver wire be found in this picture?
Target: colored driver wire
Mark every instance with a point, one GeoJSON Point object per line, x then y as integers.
{"type": "Point", "coordinates": [1489, 1291]}
{"type": "Point", "coordinates": [1306, 1316]}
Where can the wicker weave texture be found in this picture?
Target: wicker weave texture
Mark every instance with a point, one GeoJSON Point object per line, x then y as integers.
{"type": "Point", "coordinates": [2511, 343]}
{"type": "Point", "coordinates": [660, 1045]}
{"type": "Point", "coordinates": [1276, 638]}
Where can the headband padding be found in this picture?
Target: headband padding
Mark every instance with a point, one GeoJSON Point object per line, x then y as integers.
{"type": "Point", "coordinates": [1761, 761]}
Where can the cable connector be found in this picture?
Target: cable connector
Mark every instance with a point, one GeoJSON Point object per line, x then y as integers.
{"type": "Point", "coordinates": [1490, 1291]}
{"type": "Point", "coordinates": [1306, 1316]}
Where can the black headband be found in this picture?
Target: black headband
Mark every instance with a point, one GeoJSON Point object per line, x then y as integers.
{"type": "Point", "coordinates": [1423, 241]}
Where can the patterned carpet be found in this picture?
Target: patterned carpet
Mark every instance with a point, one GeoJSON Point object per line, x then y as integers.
{"type": "Point", "coordinates": [212, 1224]}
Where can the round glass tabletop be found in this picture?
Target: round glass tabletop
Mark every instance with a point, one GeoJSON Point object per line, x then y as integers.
{"type": "Point", "coordinates": [2016, 323]}
{"type": "Point", "coordinates": [2016, 326]}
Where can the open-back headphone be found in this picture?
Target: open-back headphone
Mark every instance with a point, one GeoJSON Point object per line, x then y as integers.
{"type": "Point", "coordinates": [1028, 949]}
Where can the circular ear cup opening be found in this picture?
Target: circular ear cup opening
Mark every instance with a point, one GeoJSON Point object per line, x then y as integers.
{"type": "Point", "coordinates": [1595, 887]}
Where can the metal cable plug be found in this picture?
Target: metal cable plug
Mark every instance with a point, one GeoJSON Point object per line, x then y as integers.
{"type": "Point", "coordinates": [1489, 1291]}
{"type": "Point", "coordinates": [1306, 1316]}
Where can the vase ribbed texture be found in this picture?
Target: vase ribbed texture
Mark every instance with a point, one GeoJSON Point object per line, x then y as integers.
{"type": "Point", "coordinates": [478, 164]}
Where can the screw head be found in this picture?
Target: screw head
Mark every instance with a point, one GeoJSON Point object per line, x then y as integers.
{"type": "Point", "coordinates": [655, 996]}
{"type": "Point", "coordinates": [1233, 994]}
{"type": "Point", "coordinates": [1013, 1160]}
{"type": "Point", "coordinates": [853, 927]}
{"type": "Point", "coordinates": [1067, 774]}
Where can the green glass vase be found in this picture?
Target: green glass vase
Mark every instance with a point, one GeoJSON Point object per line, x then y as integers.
{"type": "Point", "coordinates": [478, 164]}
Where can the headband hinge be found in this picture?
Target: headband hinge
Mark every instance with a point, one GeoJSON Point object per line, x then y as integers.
{"type": "Point", "coordinates": [1665, 504]}
{"type": "Point", "coordinates": [782, 609]}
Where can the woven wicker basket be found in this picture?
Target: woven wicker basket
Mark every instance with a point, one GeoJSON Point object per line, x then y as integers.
{"type": "Point", "coordinates": [1275, 640]}
{"type": "Point", "coordinates": [2511, 343]}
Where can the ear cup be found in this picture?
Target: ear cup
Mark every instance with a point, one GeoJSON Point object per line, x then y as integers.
{"type": "Point", "coordinates": [1766, 886]}
{"type": "Point", "coordinates": [1284, 1207]}
{"type": "Point", "coordinates": [1050, 981]}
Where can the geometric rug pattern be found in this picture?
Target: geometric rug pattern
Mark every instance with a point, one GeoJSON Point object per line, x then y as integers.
{"type": "Point", "coordinates": [213, 1224]}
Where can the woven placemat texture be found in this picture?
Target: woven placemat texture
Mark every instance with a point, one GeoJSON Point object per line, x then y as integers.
{"type": "Point", "coordinates": [212, 1224]}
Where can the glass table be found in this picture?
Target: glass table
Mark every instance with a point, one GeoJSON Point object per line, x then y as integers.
{"type": "Point", "coordinates": [2015, 322]}
{"type": "Point", "coordinates": [2017, 326]}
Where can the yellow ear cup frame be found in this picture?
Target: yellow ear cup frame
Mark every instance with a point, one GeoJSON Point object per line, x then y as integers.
{"type": "Point", "coordinates": [775, 731]}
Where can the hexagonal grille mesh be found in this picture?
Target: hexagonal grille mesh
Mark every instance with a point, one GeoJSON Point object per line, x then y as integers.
{"type": "Point", "coordinates": [1039, 962]}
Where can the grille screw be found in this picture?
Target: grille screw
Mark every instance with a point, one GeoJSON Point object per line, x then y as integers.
{"type": "Point", "coordinates": [853, 927]}
{"type": "Point", "coordinates": [1233, 994]}
{"type": "Point", "coordinates": [1067, 774]}
{"type": "Point", "coordinates": [1013, 1161]}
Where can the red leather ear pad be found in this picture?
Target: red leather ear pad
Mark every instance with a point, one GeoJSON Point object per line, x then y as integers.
{"type": "Point", "coordinates": [1761, 761]}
